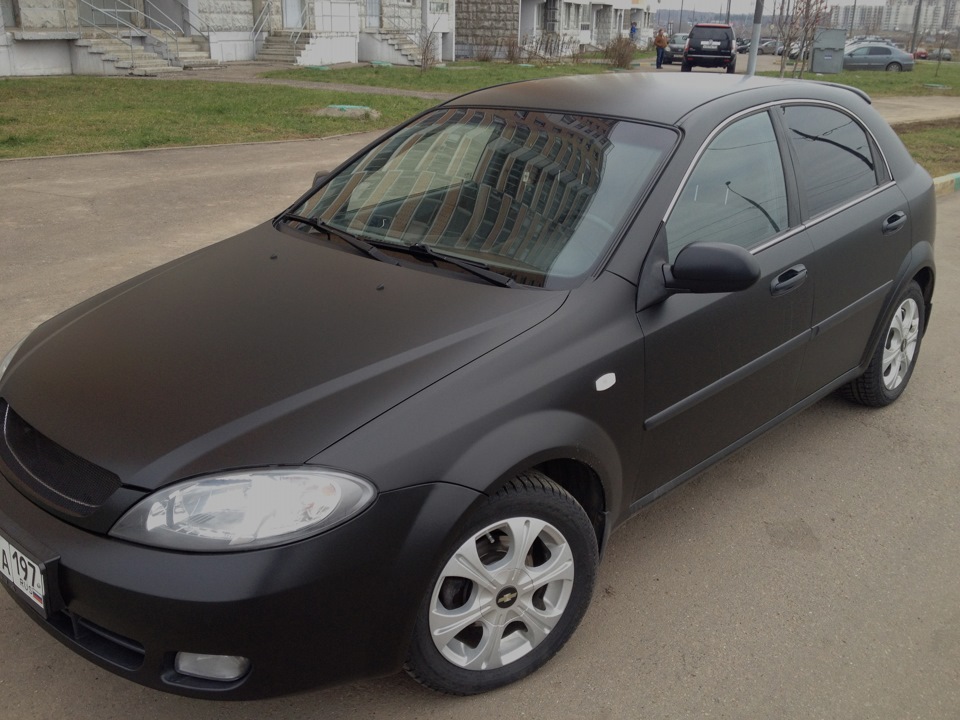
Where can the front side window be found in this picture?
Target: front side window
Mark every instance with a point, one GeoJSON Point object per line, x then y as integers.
{"type": "Point", "coordinates": [736, 194]}
{"type": "Point", "coordinates": [835, 160]}
{"type": "Point", "coordinates": [536, 196]}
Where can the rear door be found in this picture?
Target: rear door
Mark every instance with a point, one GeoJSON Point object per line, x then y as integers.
{"type": "Point", "coordinates": [859, 222]}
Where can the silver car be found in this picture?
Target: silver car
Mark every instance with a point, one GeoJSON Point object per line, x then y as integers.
{"type": "Point", "coordinates": [674, 47]}
{"type": "Point", "coordinates": [877, 56]}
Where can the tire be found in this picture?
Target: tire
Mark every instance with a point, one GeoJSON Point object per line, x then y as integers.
{"type": "Point", "coordinates": [685, 67]}
{"type": "Point", "coordinates": [493, 615]}
{"type": "Point", "coordinates": [732, 68]}
{"type": "Point", "coordinates": [894, 67]}
{"type": "Point", "coordinates": [896, 354]}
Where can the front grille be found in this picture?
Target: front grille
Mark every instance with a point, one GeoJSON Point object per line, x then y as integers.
{"type": "Point", "coordinates": [50, 474]}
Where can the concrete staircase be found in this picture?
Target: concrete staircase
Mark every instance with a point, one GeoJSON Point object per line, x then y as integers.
{"type": "Point", "coordinates": [402, 44]}
{"type": "Point", "coordinates": [279, 48]}
{"type": "Point", "coordinates": [189, 52]}
{"type": "Point", "coordinates": [153, 53]}
{"type": "Point", "coordinates": [116, 57]}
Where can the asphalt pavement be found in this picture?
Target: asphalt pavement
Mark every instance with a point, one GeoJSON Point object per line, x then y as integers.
{"type": "Point", "coordinates": [813, 574]}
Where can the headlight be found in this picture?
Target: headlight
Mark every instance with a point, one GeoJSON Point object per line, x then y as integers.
{"type": "Point", "coordinates": [8, 358]}
{"type": "Point", "coordinates": [243, 510]}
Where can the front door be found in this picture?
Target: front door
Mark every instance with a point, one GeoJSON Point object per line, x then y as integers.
{"type": "Point", "coordinates": [293, 14]}
{"type": "Point", "coordinates": [719, 366]}
{"type": "Point", "coordinates": [373, 13]}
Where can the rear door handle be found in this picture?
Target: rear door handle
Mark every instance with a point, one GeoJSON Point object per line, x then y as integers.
{"type": "Point", "coordinates": [894, 222]}
{"type": "Point", "coordinates": [788, 280]}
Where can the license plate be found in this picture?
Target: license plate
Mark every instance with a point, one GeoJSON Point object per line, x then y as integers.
{"type": "Point", "coordinates": [23, 573]}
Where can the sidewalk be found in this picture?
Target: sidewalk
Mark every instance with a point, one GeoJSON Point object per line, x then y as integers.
{"type": "Point", "coordinates": [895, 110]}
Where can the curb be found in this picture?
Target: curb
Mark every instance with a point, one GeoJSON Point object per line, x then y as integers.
{"type": "Point", "coordinates": [946, 184]}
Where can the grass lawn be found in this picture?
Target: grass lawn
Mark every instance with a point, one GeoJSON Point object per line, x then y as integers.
{"type": "Point", "coordinates": [880, 84]}
{"type": "Point", "coordinates": [63, 115]}
{"type": "Point", "coordinates": [935, 145]}
{"type": "Point", "coordinates": [454, 78]}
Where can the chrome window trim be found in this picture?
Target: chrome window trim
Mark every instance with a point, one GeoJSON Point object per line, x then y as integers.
{"type": "Point", "coordinates": [790, 232]}
{"type": "Point", "coordinates": [827, 214]}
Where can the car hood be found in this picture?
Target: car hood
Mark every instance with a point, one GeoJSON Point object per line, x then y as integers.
{"type": "Point", "coordinates": [261, 350]}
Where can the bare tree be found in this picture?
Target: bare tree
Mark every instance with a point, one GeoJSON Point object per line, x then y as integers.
{"type": "Point", "coordinates": [944, 38]}
{"type": "Point", "coordinates": [427, 51]}
{"type": "Point", "coordinates": [797, 22]}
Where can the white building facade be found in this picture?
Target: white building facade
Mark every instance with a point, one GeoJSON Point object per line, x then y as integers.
{"type": "Point", "coordinates": [53, 37]}
{"type": "Point", "coordinates": [489, 28]}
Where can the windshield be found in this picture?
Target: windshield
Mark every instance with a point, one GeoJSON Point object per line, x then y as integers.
{"type": "Point", "coordinates": [538, 197]}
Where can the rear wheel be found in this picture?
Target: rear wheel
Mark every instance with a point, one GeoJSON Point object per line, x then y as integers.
{"type": "Point", "coordinates": [894, 67]}
{"type": "Point", "coordinates": [895, 356]}
{"type": "Point", "coordinates": [685, 67]}
{"type": "Point", "coordinates": [731, 68]}
{"type": "Point", "coordinates": [510, 592]}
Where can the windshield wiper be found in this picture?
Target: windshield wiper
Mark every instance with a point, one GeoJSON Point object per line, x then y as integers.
{"type": "Point", "coordinates": [331, 232]}
{"type": "Point", "coordinates": [476, 268]}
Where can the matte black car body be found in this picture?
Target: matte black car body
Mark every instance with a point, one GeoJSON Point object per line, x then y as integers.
{"type": "Point", "coordinates": [269, 349]}
{"type": "Point", "coordinates": [710, 45]}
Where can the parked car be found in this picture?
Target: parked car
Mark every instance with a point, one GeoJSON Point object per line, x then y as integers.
{"type": "Point", "coordinates": [768, 47]}
{"type": "Point", "coordinates": [877, 56]}
{"type": "Point", "coordinates": [396, 425]}
{"type": "Point", "coordinates": [920, 54]}
{"type": "Point", "coordinates": [938, 54]}
{"type": "Point", "coordinates": [674, 47]}
{"type": "Point", "coordinates": [710, 45]}
{"type": "Point", "coordinates": [743, 45]}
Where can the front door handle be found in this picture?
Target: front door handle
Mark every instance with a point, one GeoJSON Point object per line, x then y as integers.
{"type": "Point", "coordinates": [894, 222]}
{"type": "Point", "coordinates": [788, 280]}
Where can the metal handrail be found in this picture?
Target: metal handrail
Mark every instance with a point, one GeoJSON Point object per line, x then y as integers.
{"type": "Point", "coordinates": [174, 23]}
{"type": "Point", "coordinates": [205, 34]}
{"type": "Point", "coordinates": [159, 25]}
{"type": "Point", "coordinates": [263, 20]}
{"type": "Point", "coordinates": [303, 26]}
{"type": "Point", "coordinates": [117, 21]}
{"type": "Point", "coordinates": [136, 12]}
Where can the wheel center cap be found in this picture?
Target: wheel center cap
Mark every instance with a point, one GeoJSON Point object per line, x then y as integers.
{"type": "Point", "coordinates": [506, 597]}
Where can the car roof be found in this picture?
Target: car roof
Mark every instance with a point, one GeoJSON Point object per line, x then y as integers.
{"type": "Point", "coordinates": [655, 98]}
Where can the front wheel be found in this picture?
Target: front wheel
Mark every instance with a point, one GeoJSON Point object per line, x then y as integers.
{"type": "Point", "coordinates": [510, 592]}
{"type": "Point", "coordinates": [895, 356]}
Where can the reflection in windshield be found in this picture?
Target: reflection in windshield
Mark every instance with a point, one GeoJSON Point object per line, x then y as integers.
{"type": "Point", "coordinates": [535, 195]}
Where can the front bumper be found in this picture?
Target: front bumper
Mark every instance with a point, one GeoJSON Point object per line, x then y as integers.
{"type": "Point", "coordinates": [335, 607]}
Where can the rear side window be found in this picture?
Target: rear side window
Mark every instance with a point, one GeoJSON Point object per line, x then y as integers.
{"type": "Point", "coordinates": [720, 35]}
{"type": "Point", "coordinates": [834, 156]}
{"type": "Point", "coordinates": [736, 194]}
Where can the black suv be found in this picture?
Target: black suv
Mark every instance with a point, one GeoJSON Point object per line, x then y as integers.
{"type": "Point", "coordinates": [710, 45]}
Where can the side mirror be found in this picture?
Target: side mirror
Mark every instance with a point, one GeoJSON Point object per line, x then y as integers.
{"type": "Point", "coordinates": [706, 267]}
{"type": "Point", "coordinates": [319, 177]}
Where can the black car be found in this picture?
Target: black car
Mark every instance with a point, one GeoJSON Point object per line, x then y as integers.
{"type": "Point", "coordinates": [395, 426]}
{"type": "Point", "coordinates": [710, 45]}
